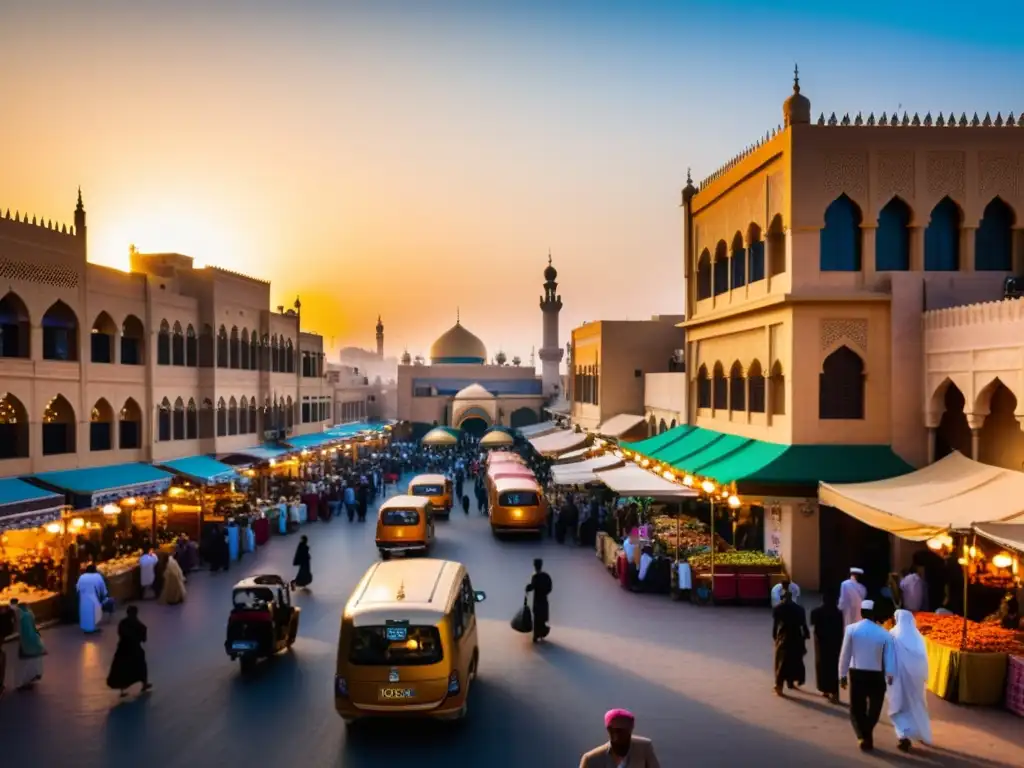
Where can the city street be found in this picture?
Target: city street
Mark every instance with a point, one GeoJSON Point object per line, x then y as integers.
{"type": "Point", "coordinates": [698, 679]}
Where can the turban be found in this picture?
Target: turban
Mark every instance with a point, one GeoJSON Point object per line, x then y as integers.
{"type": "Point", "coordinates": [617, 714]}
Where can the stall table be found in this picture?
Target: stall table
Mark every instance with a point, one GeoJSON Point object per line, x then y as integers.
{"type": "Point", "coordinates": [1015, 685]}
{"type": "Point", "coordinates": [966, 677]}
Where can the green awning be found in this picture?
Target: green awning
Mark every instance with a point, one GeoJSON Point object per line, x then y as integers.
{"type": "Point", "coordinates": [774, 464]}
{"type": "Point", "coordinates": [717, 451]}
{"type": "Point", "coordinates": [656, 442]}
{"type": "Point", "coordinates": [678, 453]}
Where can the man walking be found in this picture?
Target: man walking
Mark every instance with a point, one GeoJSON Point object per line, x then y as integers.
{"type": "Point", "coordinates": [623, 749]}
{"type": "Point", "coordinates": [866, 661]}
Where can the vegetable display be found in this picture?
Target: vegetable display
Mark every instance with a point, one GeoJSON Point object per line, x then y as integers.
{"type": "Point", "coordinates": [740, 558]}
{"type": "Point", "coordinates": [693, 536]}
{"type": "Point", "coordinates": [981, 638]}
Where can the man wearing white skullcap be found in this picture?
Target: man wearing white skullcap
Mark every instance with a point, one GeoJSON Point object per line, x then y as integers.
{"type": "Point", "coordinates": [851, 594]}
{"type": "Point", "coordinates": [866, 662]}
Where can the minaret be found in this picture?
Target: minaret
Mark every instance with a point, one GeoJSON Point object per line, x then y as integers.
{"type": "Point", "coordinates": [80, 221]}
{"type": "Point", "coordinates": [380, 338]}
{"type": "Point", "coordinates": [551, 352]}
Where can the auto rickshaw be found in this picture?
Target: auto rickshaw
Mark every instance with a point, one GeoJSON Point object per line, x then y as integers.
{"type": "Point", "coordinates": [437, 488]}
{"type": "Point", "coordinates": [263, 620]}
{"type": "Point", "coordinates": [405, 525]}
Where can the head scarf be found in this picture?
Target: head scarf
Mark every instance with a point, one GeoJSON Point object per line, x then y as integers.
{"type": "Point", "coordinates": [906, 635]}
{"type": "Point", "coordinates": [617, 714]}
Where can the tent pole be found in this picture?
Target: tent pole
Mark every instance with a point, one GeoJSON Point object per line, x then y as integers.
{"type": "Point", "coordinates": [967, 579]}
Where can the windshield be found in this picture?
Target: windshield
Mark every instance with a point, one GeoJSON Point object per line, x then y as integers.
{"type": "Point", "coordinates": [518, 499]}
{"type": "Point", "coordinates": [395, 645]}
{"type": "Point", "coordinates": [427, 490]}
{"type": "Point", "coordinates": [400, 517]}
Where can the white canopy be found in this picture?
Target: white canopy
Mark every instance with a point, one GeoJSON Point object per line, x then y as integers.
{"type": "Point", "coordinates": [570, 474]}
{"type": "Point", "coordinates": [631, 480]}
{"type": "Point", "coordinates": [536, 430]}
{"type": "Point", "coordinates": [1010, 535]}
{"type": "Point", "coordinates": [560, 406]}
{"type": "Point", "coordinates": [617, 426]}
{"type": "Point", "coordinates": [571, 456]}
{"type": "Point", "coordinates": [558, 442]}
{"type": "Point", "coordinates": [954, 493]}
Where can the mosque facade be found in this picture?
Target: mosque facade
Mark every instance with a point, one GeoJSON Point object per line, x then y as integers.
{"type": "Point", "coordinates": [459, 387]}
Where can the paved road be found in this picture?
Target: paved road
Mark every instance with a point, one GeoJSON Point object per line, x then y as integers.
{"type": "Point", "coordinates": [697, 678]}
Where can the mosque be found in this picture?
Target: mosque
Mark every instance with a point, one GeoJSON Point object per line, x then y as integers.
{"type": "Point", "coordinates": [460, 388]}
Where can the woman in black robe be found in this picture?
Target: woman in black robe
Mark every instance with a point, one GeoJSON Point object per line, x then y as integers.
{"type": "Point", "coordinates": [790, 633]}
{"type": "Point", "coordinates": [129, 665]}
{"type": "Point", "coordinates": [541, 587]}
{"type": "Point", "coordinates": [827, 621]}
{"type": "Point", "coordinates": [305, 576]}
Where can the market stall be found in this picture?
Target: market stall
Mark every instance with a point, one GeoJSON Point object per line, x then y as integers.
{"type": "Point", "coordinates": [538, 430]}
{"type": "Point", "coordinates": [558, 442]}
{"type": "Point", "coordinates": [584, 472]}
{"type": "Point", "coordinates": [31, 547]}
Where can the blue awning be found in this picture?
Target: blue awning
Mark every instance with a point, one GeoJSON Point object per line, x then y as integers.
{"type": "Point", "coordinates": [23, 505]}
{"type": "Point", "coordinates": [357, 428]}
{"type": "Point", "coordinates": [315, 440]}
{"type": "Point", "coordinates": [257, 453]}
{"type": "Point", "coordinates": [97, 486]}
{"type": "Point", "coordinates": [202, 469]}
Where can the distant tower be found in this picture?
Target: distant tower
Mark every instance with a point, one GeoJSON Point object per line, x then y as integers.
{"type": "Point", "coordinates": [380, 338]}
{"type": "Point", "coordinates": [551, 352]}
{"type": "Point", "coordinates": [80, 217]}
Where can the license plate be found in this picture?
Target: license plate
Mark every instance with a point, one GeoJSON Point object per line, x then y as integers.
{"type": "Point", "coordinates": [243, 646]}
{"type": "Point", "coordinates": [397, 694]}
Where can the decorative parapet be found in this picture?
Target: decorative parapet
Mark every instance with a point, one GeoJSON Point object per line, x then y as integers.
{"type": "Point", "coordinates": [734, 161]}
{"type": "Point", "coordinates": [988, 312]}
{"type": "Point", "coordinates": [45, 224]}
{"type": "Point", "coordinates": [923, 122]}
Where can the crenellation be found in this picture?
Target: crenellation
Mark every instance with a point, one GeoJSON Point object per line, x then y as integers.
{"type": "Point", "coordinates": [1009, 310]}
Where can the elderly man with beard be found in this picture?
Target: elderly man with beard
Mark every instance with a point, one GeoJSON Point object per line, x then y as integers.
{"type": "Point", "coordinates": [623, 749]}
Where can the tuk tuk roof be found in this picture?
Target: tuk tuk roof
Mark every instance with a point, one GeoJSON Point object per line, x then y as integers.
{"type": "Point", "coordinates": [504, 457]}
{"type": "Point", "coordinates": [509, 470]}
{"type": "Point", "coordinates": [420, 591]}
{"type": "Point", "coordinates": [428, 480]}
{"type": "Point", "coordinates": [265, 580]}
{"type": "Point", "coordinates": [503, 484]}
{"type": "Point", "coordinates": [405, 502]}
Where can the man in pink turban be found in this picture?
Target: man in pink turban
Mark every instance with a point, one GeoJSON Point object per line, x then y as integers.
{"type": "Point", "coordinates": [623, 749]}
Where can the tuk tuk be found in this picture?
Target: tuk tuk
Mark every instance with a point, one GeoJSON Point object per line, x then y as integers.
{"type": "Point", "coordinates": [437, 488]}
{"type": "Point", "coordinates": [263, 620]}
{"type": "Point", "coordinates": [405, 524]}
{"type": "Point", "coordinates": [517, 505]}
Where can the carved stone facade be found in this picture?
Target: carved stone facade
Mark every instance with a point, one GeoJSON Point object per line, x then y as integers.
{"type": "Point", "coordinates": [895, 175]}
{"type": "Point", "coordinates": [845, 173]}
{"type": "Point", "coordinates": [945, 174]}
{"type": "Point", "coordinates": [838, 331]}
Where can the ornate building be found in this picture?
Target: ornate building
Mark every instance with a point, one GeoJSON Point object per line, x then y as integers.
{"type": "Point", "coordinates": [551, 352]}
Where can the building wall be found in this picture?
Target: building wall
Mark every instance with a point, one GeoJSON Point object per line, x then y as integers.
{"type": "Point", "coordinates": [665, 396]}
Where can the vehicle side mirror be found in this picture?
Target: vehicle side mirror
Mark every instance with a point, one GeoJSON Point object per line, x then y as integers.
{"type": "Point", "coordinates": [480, 596]}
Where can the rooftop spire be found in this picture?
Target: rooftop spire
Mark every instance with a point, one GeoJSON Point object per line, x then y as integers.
{"type": "Point", "coordinates": [796, 79]}
{"type": "Point", "coordinates": [689, 180]}
{"type": "Point", "coordinates": [549, 257]}
{"type": "Point", "coordinates": [79, 206]}
{"type": "Point", "coordinates": [458, 316]}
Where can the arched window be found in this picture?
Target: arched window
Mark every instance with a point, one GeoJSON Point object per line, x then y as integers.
{"type": "Point", "coordinates": [58, 427]}
{"type": "Point", "coordinates": [704, 275]}
{"type": "Point", "coordinates": [738, 258]}
{"type": "Point", "coordinates": [721, 276]}
{"type": "Point", "coordinates": [253, 420]}
{"type": "Point", "coordinates": [222, 348]}
{"type": "Point", "coordinates": [755, 388]}
{"type": "Point", "coordinates": [993, 241]}
{"type": "Point", "coordinates": [101, 426]}
{"type": "Point", "coordinates": [841, 386]}
{"type": "Point", "coordinates": [652, 425]}
{"type": "Point", "coordinates": [15, 327]}
{"type": "Point", "coordinates": [755, 254]}
{"type": "Point", "coordinates": [719, 388]}
{"type": "Point", "coordinates": [289, 413]}
{"type": "Point", "coordinates": [289, 357]}
{"type": "Point", "coordinates": [178, 420]}
{"type": "Point", "coordinates": [60, 333]}
{"type": "Point", "coordinates": [232, 416]}
{"type": "Point", "coordinates": [737, 388]}
{"type": "Point", "coordinates": [243, 416]}
{"type": "Point", "coordinates": [191, 420]}
{"type": "Point", "coordinates": [942, 238]}
{"type": "Point", "coordinates": [244, 349]}
{"type": "Point", "coordinates": [840, 237]}
{"type": "Point", "coordinates": [207, 420]}
{"type": "Point", "coordinates": [778, 382]}
{"type": "Point", "coordinates": [776, 245]}
{"type": "Point", "coordinates": [133, 348]}
{"type": "Point", "coordinates": [662, 427]}
{"type": "Point", "coordinates": [222, 418]}
{"type": "Point", "coordinates": [163, 344]}
{"type": "Point", "coordinates": [235, 351]}
{"type": "Point", "coordinates": [103, 339]}
{"type": "Point", "coordinates": [163, 421]}
{"type": "Point", "coordinates": [672, 425]}
{"type": "Point", "coordinates": [274, 359]}
{"type": "Point", "coordinates": [254, 352]}
{"type": "Point", "coordinates": [129, 426]}
{"type": "Point", "coordinates": [14, 427]}
{"type": "Point", "coordinates": [177, 345]}
{"type": "Point", "coordinates": [703, 388]}
{"type": "Point", "coordinates": [191, 347]}
{"type": "Point", "coordinates": [892, 238]}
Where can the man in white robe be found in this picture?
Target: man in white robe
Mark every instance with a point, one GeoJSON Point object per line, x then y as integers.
{"type": "Point", "coordinates": [851, 594]}
{"type": "Point", "coordinates": [92, 591]}
{"type": "Point", "coordinates": [914, 591]}
{"type": "Point", "coordinates": [147, 573]}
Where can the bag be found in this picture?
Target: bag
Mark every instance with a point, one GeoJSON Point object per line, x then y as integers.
{"type": "Point", "coordinates": [108, 605]}
{"type": "Point", "coordinates": [522, 622]}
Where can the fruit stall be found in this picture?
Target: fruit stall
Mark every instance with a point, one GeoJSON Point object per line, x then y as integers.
{"type": "Point", "coordinates": [736, 576]}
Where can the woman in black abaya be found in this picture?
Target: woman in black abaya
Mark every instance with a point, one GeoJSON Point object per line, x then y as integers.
{"type": "Point", "coordinates": [789, 631]}
{"type": "Point", "coordinates": [827, 621]}
{"type": "Point", "coordinates": [302, 559]}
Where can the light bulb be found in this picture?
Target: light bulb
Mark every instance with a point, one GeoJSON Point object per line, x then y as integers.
{"type": "Point", "coordinates": [734, 502]}
{"type": "Point", "coordinates": [688, 481]}
{"type": "Point", "coordinates": [707, 486]}
{"type": "Point", "coordinates": [1002, 560]}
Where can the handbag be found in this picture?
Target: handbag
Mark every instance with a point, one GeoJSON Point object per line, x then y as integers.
{"type": "Point", "coordinates": [522, 622]}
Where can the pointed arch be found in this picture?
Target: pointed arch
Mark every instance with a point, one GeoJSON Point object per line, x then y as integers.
{"type": "Point", "coordinates": [719, 388]}
{"type": "Point", "coordinates": [164, 432]}
{"type": "Point", "coordinates": [14, 428]}
{"type": "Point", "coordinates": [177, 345]}
{"type": "Point", "coordinates": [254, 351]}
{"type": "Point", "coordinates": [254, 425]}
{"type": "Point", "coordinates": [223, 356]}
{"type": "Point", "coordinates": [243, 416]}
{"type": "Point", "coordinates": [755, 387]}
{"type": "Point", "coordinates": [101, 426]}
{"type": "Point", "coordinates": [776, 246]}
{"type": "Point", "coordinates": [60, 333]}
{"type": "Point", "coordinates": [133, 345]}
{"type": "Point", "coordinates": [289, 357]}
{"type": "Point", "coordinates": [1000, 440]}
{"type": "Point", "coordinates": [234, 349]}
{"type": "Point", "coordinates": [274, 359]}
{"type": "Point", "coordinates": [652, 426]}
{"type": "Point", "coordinates": [982, 405]}
{"type": "Point", "coordinates": [942, 237]}
{"type": "Point", "coordinates": [737, 388]}
{"type": "Point", "coordinates": [778, 388]}
{"type": "Point", "coordinates": [191, 420]}
{"type": "Point", "coordinates": [59, 427]}
{"type": "Point", "coordinates": [662, 427]}
{"type": "Point", "coordinates": [892, 238]}
{"type": "Point", "coordinates": [755, 254]}
{"type": "Point", "coordinates": [222, 418]}
{"type": "Point", "coordinates": [129, 426]}
{"type": "Point", "coordinates": [993, 240]}
{"type": "Point", "coordinates": [840, 240]}
{"type": "Point", "coordinates": [232, 416]}
{"type": "Point", "coordinates": [191, 347]}
{"type": "Point", "coordinates": [244, 350]}
{"type": "Point", "coordinates": [178, 420]}
{"type": "Point", "coordinates": [163, 344]}
{"type": "Point", "coordinates": [15, 327]}
{"type": "Point", "coordinates": [720, 278]}
{"type": "Point", "coordinates": [103, 339]}
{"type": "Point", "coordinates": [703, 387]}
{"type": "Point", "coordinates": [207, 419]}
{"type": "Point", "coordinates": [841, 385]}
{"type": "Point", "coordinates": [738, 261]}
{"type": "Point", "coordinates": [289, 412]}
{"type": "Point", "coordinates": [704, 275]}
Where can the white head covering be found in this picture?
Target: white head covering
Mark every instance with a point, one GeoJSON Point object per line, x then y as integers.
{"type": "Point", "coordinates": [906, 635]}
{"type": "Point", "coordinates": [911, 673]}
{"type": "Point", "coordinates": [867, 605]}
{"type": "Point", "coordinates": [858, 571]}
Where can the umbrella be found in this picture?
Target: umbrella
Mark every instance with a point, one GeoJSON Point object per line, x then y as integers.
{"type": "Point", "coordinates": [441, 436]}
{"type": "Point", "coordinates": [495, 439]}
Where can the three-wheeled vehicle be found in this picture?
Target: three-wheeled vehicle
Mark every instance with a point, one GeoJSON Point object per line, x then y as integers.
{"type": "Point", "coordinates": [263, 620]}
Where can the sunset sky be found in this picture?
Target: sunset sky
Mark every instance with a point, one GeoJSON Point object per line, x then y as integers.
{"type": "Point", "coordinates": [408, 158]}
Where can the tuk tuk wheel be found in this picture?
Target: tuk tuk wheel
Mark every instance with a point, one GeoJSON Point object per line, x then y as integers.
{"type": "Point", "coordinates": [385, 555]}
{"type": "Point", "coordinates": [248, 664]}
{"type": "Point", "coordinates": [293, 631]}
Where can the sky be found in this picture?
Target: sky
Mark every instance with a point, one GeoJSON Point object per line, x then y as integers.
{"type": "Point", "coordinates": [419, 159]}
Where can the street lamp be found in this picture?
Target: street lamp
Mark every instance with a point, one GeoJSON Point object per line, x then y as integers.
{"type": "Point", "coordinates": [709, 490]}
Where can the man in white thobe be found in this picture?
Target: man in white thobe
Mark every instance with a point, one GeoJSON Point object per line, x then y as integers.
{"type": "Point", "coordinates": [147, 573]}
{"type": "Point", "coordinates": [784, 586]}
{"type": "Point", "coordinates": [92, 591]}
{"type": "Point", "coordinates": [913, 588]}
{"type": "Point", "coordinates": [851, 594]}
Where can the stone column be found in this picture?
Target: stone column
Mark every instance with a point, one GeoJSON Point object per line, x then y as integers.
{"type": "Point", "coordinates": [975, 421]}
{"type": "Point", "coordinates": [867, 248]}
{"type": "Point", "coordinates": [931, 445]}
{"type": "Point", "coordinates": [916, 248]}
{"type": "Point", "coordinates": [1018, 249]}
{"type": "Point", "coordinates": [967, 237]}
